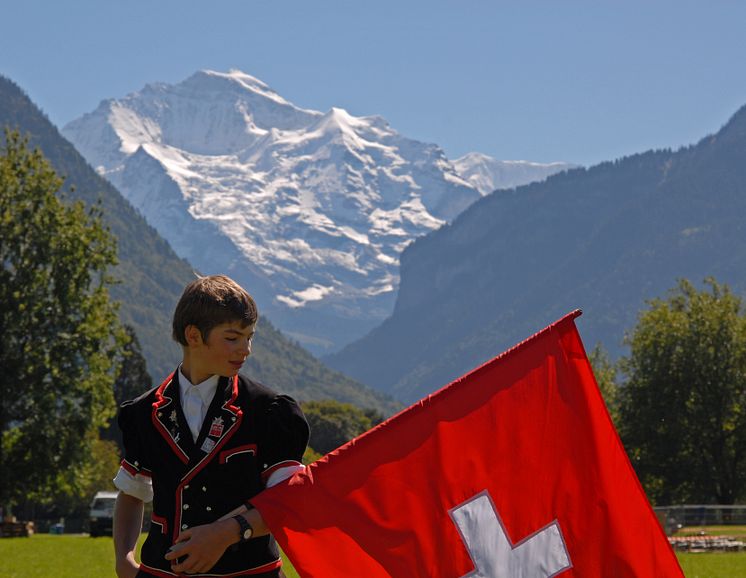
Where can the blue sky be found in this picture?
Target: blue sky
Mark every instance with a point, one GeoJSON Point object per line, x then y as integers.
{"type": "Point", "coordinates": [580, 81]}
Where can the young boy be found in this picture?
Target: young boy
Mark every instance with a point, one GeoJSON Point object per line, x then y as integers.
{"type": "Point", "coordinates": [201, 445]}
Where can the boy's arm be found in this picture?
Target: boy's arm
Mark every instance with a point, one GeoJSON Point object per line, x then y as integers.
{"type": "Point", "coordinates": [204, 545]}
{"type": "Point", "coordinates": [128, 513]}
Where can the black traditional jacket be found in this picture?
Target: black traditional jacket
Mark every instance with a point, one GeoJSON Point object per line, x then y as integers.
{"type": "Point", "coordinates": [249, 431]}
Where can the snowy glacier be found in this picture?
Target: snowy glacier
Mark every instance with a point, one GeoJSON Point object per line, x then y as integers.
{"type": "Point", "coordinates": [310, 211]}
{"type": "Point", "coordinates": [488, 174]}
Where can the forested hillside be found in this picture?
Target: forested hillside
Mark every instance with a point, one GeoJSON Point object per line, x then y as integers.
{"type": "Point", "coordinates": [603, 239]}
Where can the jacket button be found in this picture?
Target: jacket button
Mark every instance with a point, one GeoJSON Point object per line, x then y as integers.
{"type": "Point", "coordinates": [204, 488]}
{"type": "Point", "coordinates": [186, 506]}
{"type": "Point", "coordinates": [184, 526]}
{"type": "Point", "coordinates": [186, 487]}
{"type": "Point", "coordinates": [208, 508]}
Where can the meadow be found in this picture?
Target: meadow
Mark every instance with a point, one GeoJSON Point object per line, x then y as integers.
{"type": "Point", "coordinates": [66, 556]}
{"type": "Point", "coordinates": [78, 555]}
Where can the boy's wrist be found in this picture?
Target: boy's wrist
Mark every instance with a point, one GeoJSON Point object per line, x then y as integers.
{"type": "Point", "coordinates": [126, 566]}
{"type": "Point", "coordinates": [245, 531]}
{"type": "Point", "coordinates": [229, 530]}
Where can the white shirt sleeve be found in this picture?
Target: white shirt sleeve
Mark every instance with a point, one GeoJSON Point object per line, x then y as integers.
{"type": "Point", "coordinates": [282, 474]}
{"type": "Point", "coordinates": [138, 485]}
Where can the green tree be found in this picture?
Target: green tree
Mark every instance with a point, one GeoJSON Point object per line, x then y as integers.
{"type": "Point", "coordinates": [683, 407]}
{"type": "Point", "coordinates": [606, 373]}
{"type": "Point", "coordinates": [133, 378]}
{"type": "Point", "coordinates": [131, 381]}
{"type": "Point", "coordinates": [59, 329]}
{"type": "Point", "coordinates": [310, 455]}
{"type": "Point", "coordinates": [72, 490]}
{"type": "Point", "coordinates": [333, 423]}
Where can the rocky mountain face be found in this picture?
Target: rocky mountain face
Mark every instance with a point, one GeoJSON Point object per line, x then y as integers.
{"type": "Point", "coordinates": [152, 276]}
{"type": "Point", "coordinates": [310, 210]}
{"type": "Point", "coordinates": [603, 239]}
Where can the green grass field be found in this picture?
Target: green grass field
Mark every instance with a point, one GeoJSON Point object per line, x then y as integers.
{"type": "Point", "coordinates": [68, 556]}
{"type": "Point", "coordinates": [713, 565]}
{"type": "Point", "coordinates": [79, 556]}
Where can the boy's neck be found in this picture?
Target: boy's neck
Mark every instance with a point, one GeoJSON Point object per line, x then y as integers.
{"type": "Point", "coordinates": [192, 372]}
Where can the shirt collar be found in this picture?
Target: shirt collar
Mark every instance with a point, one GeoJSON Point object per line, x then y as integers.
{"type": "Point", "coordinates": [206, 389]}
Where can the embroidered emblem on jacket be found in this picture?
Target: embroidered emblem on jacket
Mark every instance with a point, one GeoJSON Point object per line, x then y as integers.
{"type": "Point", "coordinates": [216, 428]}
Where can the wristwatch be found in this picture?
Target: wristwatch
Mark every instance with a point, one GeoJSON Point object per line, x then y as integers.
{"type": "Point", "coordinates": [246, 531]}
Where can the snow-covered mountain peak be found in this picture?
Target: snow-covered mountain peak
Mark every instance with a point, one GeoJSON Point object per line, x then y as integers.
{"type": "Point", "coordinates": [308, 210]}
{"type": "Point", "coordinates": [209, 113]}
{"type": "Point", "coordinates": [488, 174]}
{"type": "Point", "coordinates": [472, 158]}
{"type": "Point", "coordinates": [335, 121]}
{"type": "Point", "coordinates": [354, 133]}
{"type": "Point", "coordinates": [233, 81]}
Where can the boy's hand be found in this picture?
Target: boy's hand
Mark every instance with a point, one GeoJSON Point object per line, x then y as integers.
{"type": "Point", "coordinates": [127, 567]}
{"type": "Point", "coordinates": [199, 548]}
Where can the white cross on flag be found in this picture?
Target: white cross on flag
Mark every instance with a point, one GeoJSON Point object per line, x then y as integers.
{"type": "Point", "coordinates": [512, 471]}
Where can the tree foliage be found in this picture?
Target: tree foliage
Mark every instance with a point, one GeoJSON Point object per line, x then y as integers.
{"type": "Point", "coordinates": [132, 380]}
{"type": "Point", "coordinates": [605, 372]}
{"type": "Point", "coordinates": [71, 492]}
{"type": "Point", "coordinates": [59, 329]}
{"type": "Point", "coordinates": [683, 407]}
{"type": "Point", "coordinates": [333, 423]}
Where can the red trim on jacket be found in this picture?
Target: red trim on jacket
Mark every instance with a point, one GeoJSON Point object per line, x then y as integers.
{"type": "Point", "coordinates": [158, 405]}
{"type": "Point", "coordinates": [250, 572]}
{"type": "Point", "coordinates": [278, 466]}
{"type": "Point", "coordinates": [161, 521]}
{"type": "Point", "coordinates": [245, 449]}
{"type": "Point", "coordinates": [129, 468]}
{"type": "Point", "coordinates": [156, 572]}
{"type": "Point", "coordinates": [133, 470]}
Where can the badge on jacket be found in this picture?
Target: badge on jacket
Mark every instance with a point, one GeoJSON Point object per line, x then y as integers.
{"type": "Point", "coordinates": [216, 429]}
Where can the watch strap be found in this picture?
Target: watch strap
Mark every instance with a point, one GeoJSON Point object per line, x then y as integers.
{"type": "Point", "coordinates": [245, 531]}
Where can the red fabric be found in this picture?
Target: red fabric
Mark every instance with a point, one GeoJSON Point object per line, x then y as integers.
{"type": "Point", "coordinates": [530, 427]}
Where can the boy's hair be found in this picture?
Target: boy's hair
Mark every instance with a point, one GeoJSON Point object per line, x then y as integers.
{"type": "Point", "coordinates": [210, 301]}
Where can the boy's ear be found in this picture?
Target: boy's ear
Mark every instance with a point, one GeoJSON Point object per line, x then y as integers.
{"type": "Point", "coordinates": [193, 335]}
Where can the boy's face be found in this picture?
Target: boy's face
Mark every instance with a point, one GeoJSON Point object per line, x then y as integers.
{"type": "Point", "coordinates": [225, 350]}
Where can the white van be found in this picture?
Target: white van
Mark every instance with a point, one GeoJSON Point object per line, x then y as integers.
{"type": "Point", "coordinates": [101, 517]}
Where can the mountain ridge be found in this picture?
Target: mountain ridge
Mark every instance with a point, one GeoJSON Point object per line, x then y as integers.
{"type": "Point", "coordinates": [603, 239]}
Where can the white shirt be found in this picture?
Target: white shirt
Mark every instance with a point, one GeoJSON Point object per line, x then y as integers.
{"type": "Point", "coordinates": [196, 399]}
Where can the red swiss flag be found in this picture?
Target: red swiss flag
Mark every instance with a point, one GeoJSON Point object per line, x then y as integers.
{"type": "Point", "coordinates": [512, 471]}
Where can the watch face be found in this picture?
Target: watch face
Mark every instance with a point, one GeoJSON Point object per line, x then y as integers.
{"type": "Point", "coordinates": [246, 531]}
